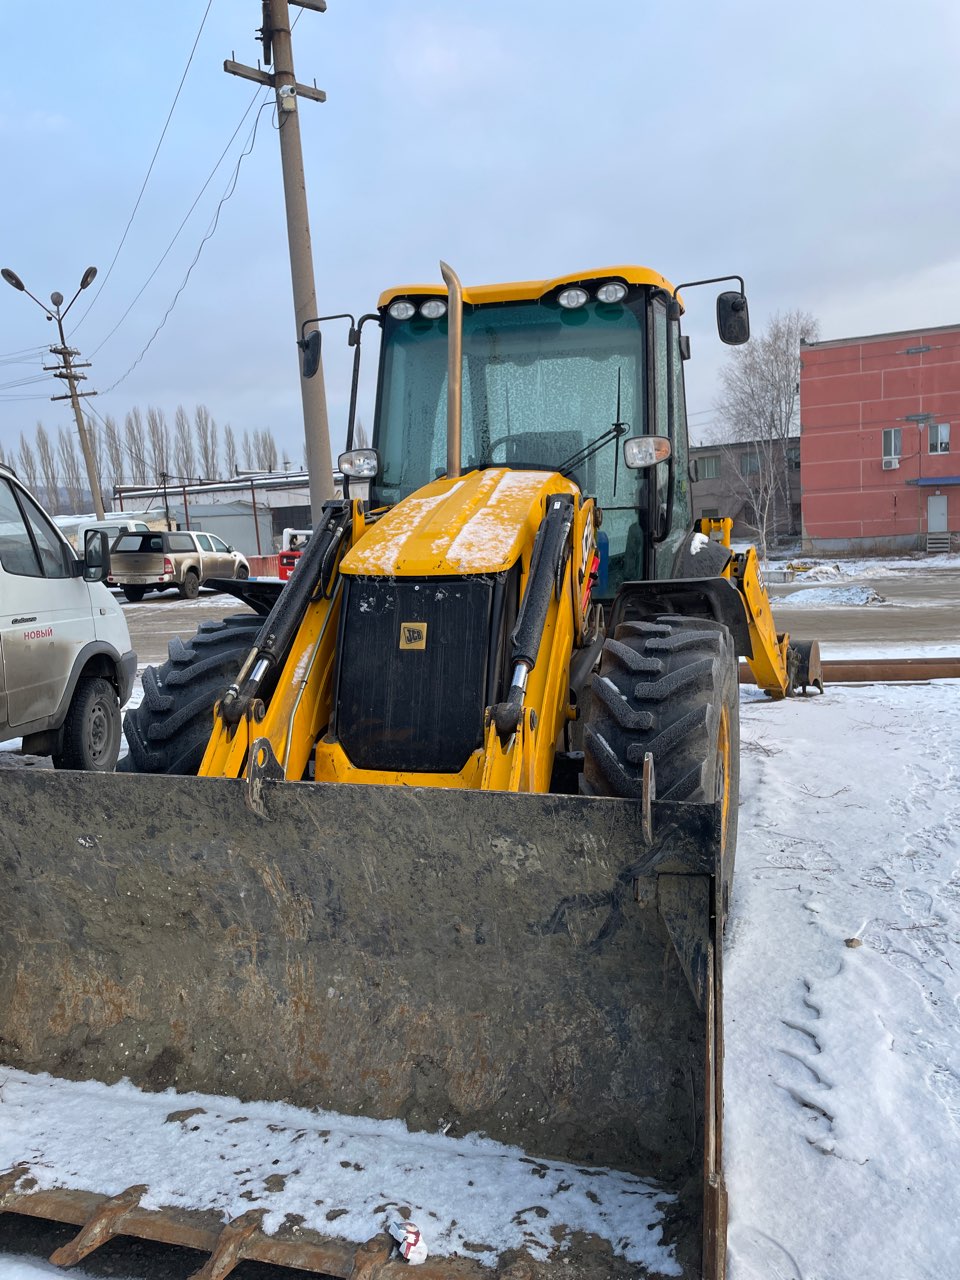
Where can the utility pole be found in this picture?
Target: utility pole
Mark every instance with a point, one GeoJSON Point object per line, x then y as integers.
{"type": "Point", "coordinates": [68, 371]}
{"type": "Point", "coordinates": [278, 52]}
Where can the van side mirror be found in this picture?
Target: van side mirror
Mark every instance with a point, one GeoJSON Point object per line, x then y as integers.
{"type": "Point", "coordinates": [96, 555]}
{"type": "Point", "coordinates": [733, 318]}
{"type": "Point", "coordinates": [310, 346]}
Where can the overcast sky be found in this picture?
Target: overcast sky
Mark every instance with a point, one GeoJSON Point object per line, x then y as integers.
{"type": "Point", "coordinates": [813, 149]}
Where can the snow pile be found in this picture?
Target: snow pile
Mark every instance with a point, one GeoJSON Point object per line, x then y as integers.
{"type": "Point", "coordinates": [343, 1176]}
{"type": "Point", "coordinates": [808, 597]}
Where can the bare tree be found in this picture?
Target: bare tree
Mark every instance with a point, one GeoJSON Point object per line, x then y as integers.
{"type": "Point", "coordinates": [47, 455]}
{"type": "Point", "coordinates": [158, 443]}
{"type": "Point", "coordinates": [758, 405]}
{"type": "Point", "coordinates": [230, 450]}
{"type": "Point", "coordinates": [136, 446]}
{"type": "Point", "coordinates": [263, 450]}
{"type": "Point", "coordinates": [184, 459]}
{"type": "Point", "coordinates": [360, 438]}
{"type": "Point", "coordinates": [95, 438]}
{"type": "Point", "coordinates": [28, 464]}
{"type": "Point", "coordinates": [207, 443]}
{"type": "Point", "coordinates": [246, 446]}
{"type": "Point", "coordinates": [113, 446]}
{"type": "Point", "coordinates": [70, 470]}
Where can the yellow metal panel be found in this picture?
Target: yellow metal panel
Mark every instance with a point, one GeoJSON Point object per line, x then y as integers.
{"type": "Point", "coordinates": [477, 523]}
{"type": "Point", "coordinates": [530, 290]}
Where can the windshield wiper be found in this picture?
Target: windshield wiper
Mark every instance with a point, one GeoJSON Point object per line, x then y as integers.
{"type": "Point", "coordinates": [613, 432]}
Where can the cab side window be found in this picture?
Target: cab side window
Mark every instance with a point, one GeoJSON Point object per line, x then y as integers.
{"type": "Point", "coordinates": [29, 546]}
{"type": "Point", "coordinates": [204, 541]}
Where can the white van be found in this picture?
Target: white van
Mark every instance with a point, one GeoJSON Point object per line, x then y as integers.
{"type": "Point", "coordinates": [75, 529]}
{"type": "Point", "coordinates": [66, 665]}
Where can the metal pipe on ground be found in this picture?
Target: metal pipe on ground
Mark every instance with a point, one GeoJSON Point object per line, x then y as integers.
{"type": "Point", "coordinates": [879, 670]}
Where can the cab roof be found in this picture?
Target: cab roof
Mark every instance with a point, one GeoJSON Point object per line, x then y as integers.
{"type": "Point", "coordinates": [531, 290]}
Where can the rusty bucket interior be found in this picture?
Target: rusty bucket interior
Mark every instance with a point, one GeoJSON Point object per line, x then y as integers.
{"type": "Point", "coordinates": [526, 967]}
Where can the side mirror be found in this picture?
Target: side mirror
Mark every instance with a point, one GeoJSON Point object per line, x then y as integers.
{"type": "Point", "coordinates": [310, 346]}
{"type": "Point", "coordinates": [96, 555]}
{"type": "Point", "coordinates": [733, 318]}
{"type": "Point", "coordinates": [640, 452]}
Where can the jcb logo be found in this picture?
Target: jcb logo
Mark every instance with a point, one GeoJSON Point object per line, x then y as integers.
{"type": "Point", "coordinates": [413, 635]}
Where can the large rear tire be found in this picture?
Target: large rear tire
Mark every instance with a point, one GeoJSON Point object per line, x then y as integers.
{"type": "Point", "coordinates": [168, 732]}
{"type": "Point", "coordinates": [670, 687]}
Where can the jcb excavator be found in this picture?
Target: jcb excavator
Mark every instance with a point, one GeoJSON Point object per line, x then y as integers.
{"type": "Point", "coordinates": [474, 769]}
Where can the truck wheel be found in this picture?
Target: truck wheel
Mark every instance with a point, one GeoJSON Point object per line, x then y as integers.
{"type": "Point", "coordinates": [168, 732]}
{"type": "Point", "coordinates": [134, 594]}
{"type": "Point", "coordinates": [91, 731]}
{"type": "Point", "coordinates": [670, 687]}
{"type": "Point", "coordinates": [190, 586]}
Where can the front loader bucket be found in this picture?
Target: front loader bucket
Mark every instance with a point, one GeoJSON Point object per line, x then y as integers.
{"type": "Point", "coordinates": [523, 966]}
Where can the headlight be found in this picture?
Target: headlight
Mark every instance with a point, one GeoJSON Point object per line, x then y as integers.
{"type": "Point", "coordinates": [401, 309]}
{"type": "Point", "coordinates": [612, 291]}
{"type": "Point", "coordinates": [359, 464]}
{"type": "Point", "coordinates": [433, 309]}
{"type": "Point", "coordinates": [572, 298]}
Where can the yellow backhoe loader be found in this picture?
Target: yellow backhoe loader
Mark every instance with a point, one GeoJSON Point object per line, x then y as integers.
{"type": "Point", "coordinates": [462, 840]}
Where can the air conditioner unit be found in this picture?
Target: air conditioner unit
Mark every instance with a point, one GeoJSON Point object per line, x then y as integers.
{"type": "Point", "coordinates": [891, 464]}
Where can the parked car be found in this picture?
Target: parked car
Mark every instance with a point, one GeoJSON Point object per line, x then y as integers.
{"type": "Point", "coordinates": [66, 665]}
{"type": "Point", "coordinates": [185, 559]}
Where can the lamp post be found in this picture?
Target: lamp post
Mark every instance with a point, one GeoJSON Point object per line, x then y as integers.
{"type": "Point", "coordinates": [69, 370]}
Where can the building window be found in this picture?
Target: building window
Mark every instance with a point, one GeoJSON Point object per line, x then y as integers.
{"type": "Point", "coordinates": [750, 464]}
{"type": "Point", "coordinates": [938, 436]}
{"type": "Point", "coordinates": [793, 457]}
{"type": "Point", "coordinates": [891, 443]}
{"type": "Point", "coordinates": [708, 467]}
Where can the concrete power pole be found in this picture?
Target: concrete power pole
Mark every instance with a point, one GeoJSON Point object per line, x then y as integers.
{"type": "Point", "coordinates": [278, 50]}
{"type": "Point", "coordinates": [71, 377]}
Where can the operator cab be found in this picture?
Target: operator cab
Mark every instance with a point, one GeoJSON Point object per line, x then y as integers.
{"type": "Point", "coordinates": [557, 375]}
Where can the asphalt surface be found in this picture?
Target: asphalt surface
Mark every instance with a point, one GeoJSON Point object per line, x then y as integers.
{"type": "Point", "coordinates": [919, 607]}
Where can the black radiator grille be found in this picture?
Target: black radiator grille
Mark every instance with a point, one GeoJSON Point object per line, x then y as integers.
{"type": "Point", "coordinates": [413, 672]}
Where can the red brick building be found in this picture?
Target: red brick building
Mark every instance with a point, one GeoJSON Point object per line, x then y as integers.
{"type": "Point", "coordinates": [880, 442]}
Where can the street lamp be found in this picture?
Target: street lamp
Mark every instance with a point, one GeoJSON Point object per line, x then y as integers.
{"type": "Point", "coordinates": [68, 372]}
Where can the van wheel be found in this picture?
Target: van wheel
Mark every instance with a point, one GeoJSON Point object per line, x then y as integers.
{"type": "Point", "coordinates": [134, 594]}
{"type": "Point", "coordinates": [190, 586]}
{"type": "Point", "coordinates": [91, 731]}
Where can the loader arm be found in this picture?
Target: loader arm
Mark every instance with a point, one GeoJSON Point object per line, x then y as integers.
{"type": "Point", "coordinates": [778, 666]}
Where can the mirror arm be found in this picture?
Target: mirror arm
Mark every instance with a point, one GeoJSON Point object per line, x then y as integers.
{"type": "Point", "coordinates": [356, 332]}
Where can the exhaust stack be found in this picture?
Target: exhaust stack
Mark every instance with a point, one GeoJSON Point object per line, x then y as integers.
{"type": "Point", "coordinates": [454, 368]}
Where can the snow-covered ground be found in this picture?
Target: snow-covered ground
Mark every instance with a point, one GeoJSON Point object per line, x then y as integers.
{"type": "Point", "coordinates": [842, 997]}
{"type": "Point", "coordinates": [817, 569]}
{"type": "Point", "coordinates": [842, 1001]}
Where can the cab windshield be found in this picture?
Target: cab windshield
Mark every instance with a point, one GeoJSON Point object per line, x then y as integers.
{"type": "Point", "coordinates": [541, 386]}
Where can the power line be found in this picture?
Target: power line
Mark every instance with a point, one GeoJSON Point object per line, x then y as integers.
{"type": "Point", "coordinates": [153, 161]}
{"type": "Point", "coordinates": [181, 226]}
{"type": "Point", "coordinates": [231, 187]}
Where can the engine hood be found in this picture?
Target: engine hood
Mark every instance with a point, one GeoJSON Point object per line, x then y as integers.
{"type": "Point", "coordinates": [474, 524]}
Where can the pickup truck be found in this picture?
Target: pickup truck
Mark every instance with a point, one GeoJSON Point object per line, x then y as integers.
{"type": "Point", "coordinates": [185, 559]}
